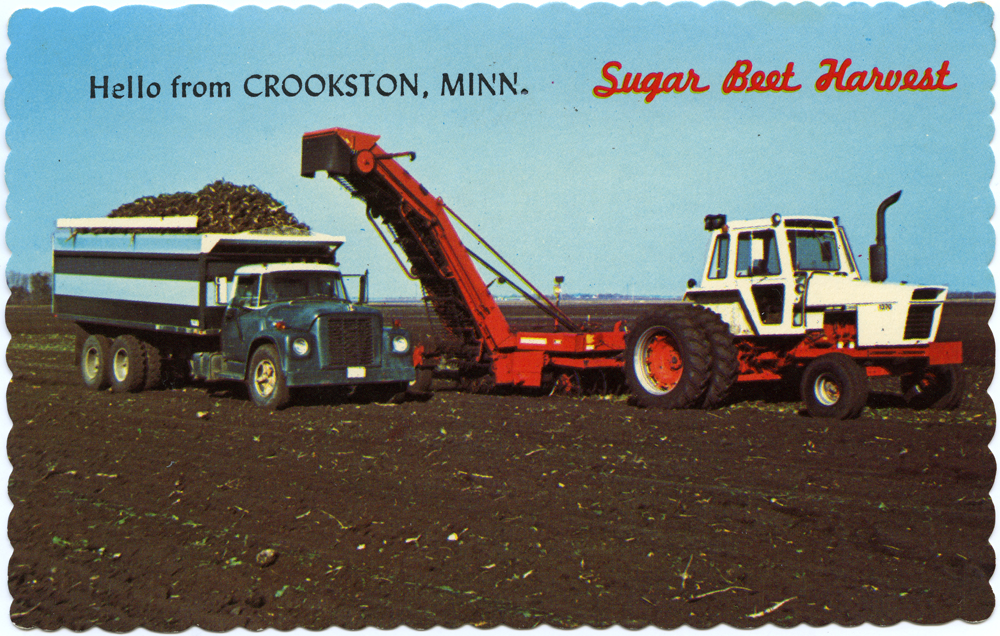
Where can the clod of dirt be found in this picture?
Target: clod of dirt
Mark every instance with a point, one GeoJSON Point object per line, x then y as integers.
{"type": "Point", "coordinates": [221, 207]}
{"type": "Point", "coordinates": [266, 557]}
{"type": "Point", "coordinates": [256, 601]}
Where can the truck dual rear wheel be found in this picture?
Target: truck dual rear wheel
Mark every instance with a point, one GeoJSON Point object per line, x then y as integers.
{"type": "Point", "coordinates": [94, 362]}
{"type": "Point", "coordinates": [668, 359]}
{"type": "Point", "coordinates": [154, 366]}
{"type": "Point", "coordinates": [266, 380]}
{"type": "Point", "coordinates": [128, 364]}
{"type": "Point", "coordinates": [834, 386]}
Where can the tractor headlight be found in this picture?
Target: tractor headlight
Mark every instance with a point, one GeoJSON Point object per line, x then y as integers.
{"type": "Point", "coordinates": [400, 344]}
{"type": "Point", "coordinates": [300, 347]}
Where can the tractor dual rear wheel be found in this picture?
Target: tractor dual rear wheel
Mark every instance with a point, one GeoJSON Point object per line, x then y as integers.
{"type": "Point", "coordinates": [725, 362]}
{"type": "Point", "coordinates": [936, 387]}
{"type": "Point", "coordinates": [835, 386]}
{"type": "Point", "coordinates": [668, 359]}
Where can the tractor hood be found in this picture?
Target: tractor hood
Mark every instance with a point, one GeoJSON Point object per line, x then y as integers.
{"type": "Point", "coordinates": [886, 314]}
{"type": "Point", "coordinates": [825, 290]}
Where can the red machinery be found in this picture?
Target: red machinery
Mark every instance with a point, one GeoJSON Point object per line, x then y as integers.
{"type": "Point", "coordinates": [678, 356]}
{"type": "Point", "coordinates": [421, 225]}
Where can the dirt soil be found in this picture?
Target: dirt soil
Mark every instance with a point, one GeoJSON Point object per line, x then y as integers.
{"type": "Point", "coordinates": [158, 509]}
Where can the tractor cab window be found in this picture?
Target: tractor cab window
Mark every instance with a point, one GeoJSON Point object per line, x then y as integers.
{"type": "Point", "coordinates": [814, 250]}
{"type": "Point", "coordinates": [757, 254]}
{"type": "Point", "coordinates": [288, 286]}
{"type": "Point", "coordinates": [245, 294]}
{"type": "Point", "coordinates": [720, 258]}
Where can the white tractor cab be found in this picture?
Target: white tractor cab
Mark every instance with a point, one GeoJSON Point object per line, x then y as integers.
{"type": "Point", "coordinates": [789, 276]}
{"type": "Point", "coordinates": [796, 308]}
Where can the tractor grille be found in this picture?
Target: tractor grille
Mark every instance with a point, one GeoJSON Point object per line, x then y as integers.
{"type": "Point", "coordinates": [919, 322]}
{"type": "Point", "coordinates": [350, 339]}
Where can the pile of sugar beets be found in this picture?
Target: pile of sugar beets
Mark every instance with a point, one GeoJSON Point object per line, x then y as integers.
{"type": "Point", "coordinates": [221, 207]}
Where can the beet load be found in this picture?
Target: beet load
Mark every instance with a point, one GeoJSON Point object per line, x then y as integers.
{"type": "Point", "coordinates": [221, 208]}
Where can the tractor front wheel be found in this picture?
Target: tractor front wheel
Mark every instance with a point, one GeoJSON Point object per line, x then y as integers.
{"type": "Point", "coordinates": [668, 359]}
{"type": "Point", "coordinates": [834, 386]}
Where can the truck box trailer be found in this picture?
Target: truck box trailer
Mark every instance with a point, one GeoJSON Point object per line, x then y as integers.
{"type": "Point", "coordinates": [271, 310]}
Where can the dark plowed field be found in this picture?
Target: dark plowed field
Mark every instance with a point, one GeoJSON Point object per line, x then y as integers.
{"type": "Point", "coordinates": [152, 509]}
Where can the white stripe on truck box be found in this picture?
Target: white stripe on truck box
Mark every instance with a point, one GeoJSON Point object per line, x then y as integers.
{"type": "Point", "coordinates": [141, 290]}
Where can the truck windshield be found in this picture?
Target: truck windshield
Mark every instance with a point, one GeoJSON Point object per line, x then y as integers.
{"type": "Point", "coordinates": [814, 250]}
{"type": "Point", "coordinates": [285, 286]}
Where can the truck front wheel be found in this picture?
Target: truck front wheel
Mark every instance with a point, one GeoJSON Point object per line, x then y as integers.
{"type": "Point", "coordinates": [834, 386]}
{"type": "Point", "coordinates": [266, 380]}
{"type": "Point", "coordinates": [94, 362]}
{"type": "Point", "coordinates": [128, 365]}
{"type": "Point", "coordinates": [668, 359]}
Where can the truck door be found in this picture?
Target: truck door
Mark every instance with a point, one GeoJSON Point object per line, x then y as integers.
{"type": "Point", "coordinates": [240, 322]}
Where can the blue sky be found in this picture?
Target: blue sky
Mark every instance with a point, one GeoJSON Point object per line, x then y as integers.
{"type": "Point", "coordinates": [607, 192]}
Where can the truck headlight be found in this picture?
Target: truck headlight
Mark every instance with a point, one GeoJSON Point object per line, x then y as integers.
{"type": "Point", "coordinates": [400, 344]}
{"type": "Point", "coordinates": [300, 347]}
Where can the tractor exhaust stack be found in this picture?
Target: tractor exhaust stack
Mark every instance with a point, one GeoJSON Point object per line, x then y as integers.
{"type": "Point", "coordinates": [878, 266]}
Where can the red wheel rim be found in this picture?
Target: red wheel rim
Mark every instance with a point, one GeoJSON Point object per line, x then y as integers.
{"type": "Point", "coordinates": [663, 362]}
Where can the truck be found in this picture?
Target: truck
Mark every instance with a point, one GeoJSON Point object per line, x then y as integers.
{"type": "Point", "coordinates": [781, 301]}
{"type": "Point", "coordinates": [269, 310]}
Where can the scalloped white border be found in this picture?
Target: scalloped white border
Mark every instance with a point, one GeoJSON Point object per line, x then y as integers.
{"type": "Point", "coordinates": [902, 629]}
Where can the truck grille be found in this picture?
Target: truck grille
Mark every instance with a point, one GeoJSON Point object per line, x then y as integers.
{"type": "Point", "coordinates": [919, 321]}
{"type": "Point", "coordinates": [350, 339]}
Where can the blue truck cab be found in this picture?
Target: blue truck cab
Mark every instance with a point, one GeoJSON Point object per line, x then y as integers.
{"type": "Point", "coordinates": [269, 310]}
{"type": "Point", "coordinates": [299, 316]}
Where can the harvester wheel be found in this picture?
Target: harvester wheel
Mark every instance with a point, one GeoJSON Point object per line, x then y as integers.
{"type": "Point", "coordinates": [725, 365]}
{"type": "Point", "coordinates": [266, 380]}
{"type": "Point", "coordinates": [423, 382]}
{"type": "Point", "coordinates": [668, 359]}
{"type": "Point", "coordinates": [834, 386]}
{"type": "Point", "coordinates": [938, 387]}
{"type": "Point", "coordinates": [381, 393]}
{"type": "Point", "coordinates": [128, 365]}
{"type": "Point", "coordinates": [94, 362]}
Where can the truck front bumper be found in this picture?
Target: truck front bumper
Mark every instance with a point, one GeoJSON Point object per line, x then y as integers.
{"type": "Point", "coordinates": [302, 377]}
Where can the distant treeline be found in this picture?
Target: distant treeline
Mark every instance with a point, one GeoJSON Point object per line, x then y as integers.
{"type": "Point", "coordinates": [29, 289]}
{"type": "Point", "coordinates": [36, 289]}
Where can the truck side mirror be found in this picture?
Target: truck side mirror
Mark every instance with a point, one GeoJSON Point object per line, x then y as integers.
{"type": "Point", "coordinates": [221, 290]}
{"type": "Point", "coordinates": [363, 289]}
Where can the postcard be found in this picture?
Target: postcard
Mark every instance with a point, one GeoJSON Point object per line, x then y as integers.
{"type": "Point", "coordinates": [597, 315]}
